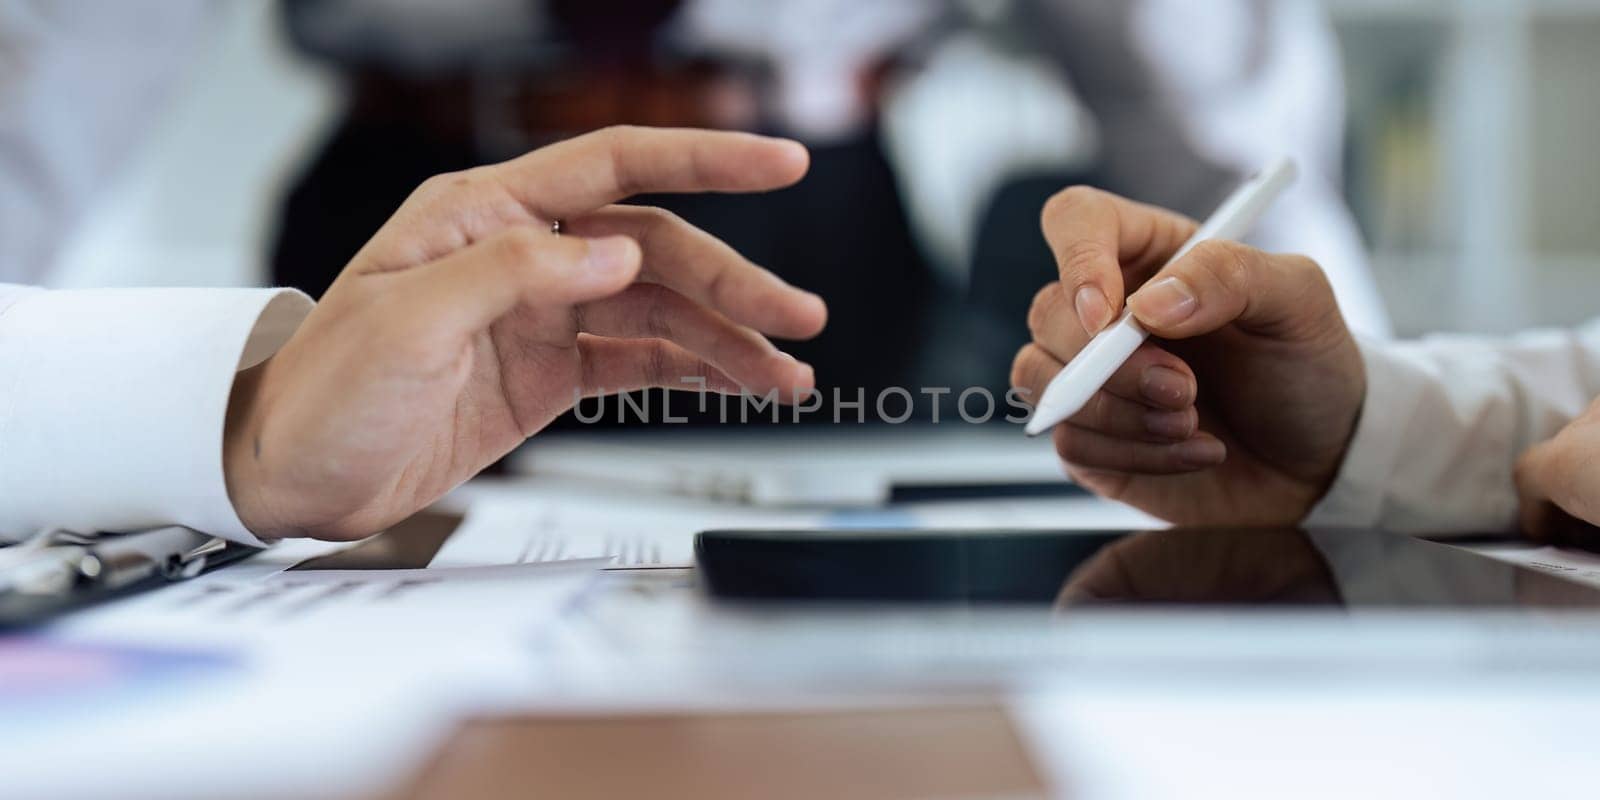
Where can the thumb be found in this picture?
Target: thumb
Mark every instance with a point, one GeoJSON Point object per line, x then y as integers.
{"type": "Point", "coordinates": [1558, 497]}
{"type": "Point", "coordinates": [1099, 240]}
{"type": "Point", "coordinates": [1220, 283]}
{"type": "Point", "coordinates": [476, 285]}
{"type": "Point", "coordinates": [1548, 502]}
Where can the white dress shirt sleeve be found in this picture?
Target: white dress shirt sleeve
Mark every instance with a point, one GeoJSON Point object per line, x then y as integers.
{"type": "Point", "coordinates": [112, 403]}
{"type": "Point", "coordinates": [1444, 421]}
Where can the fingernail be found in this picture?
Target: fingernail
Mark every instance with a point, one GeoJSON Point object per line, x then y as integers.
{"type": "Point", "coordinates": [611, 255]}
{"type": "Point", "coordinates": [1164, 385]}
{"type": "Point", "coordinates": [799, 367]}
{"type": "Point", "coordinates": [1169, 424]}
{"type": "Point", "coordinates": [797, 152]}
{"type": "Point", "coordinates": [1204, 452]}
{"type": "Point", "coordinates": [817, 302]}
{"type": "Point", "coordinates": [1168, 301]}
{"type": "Point", "coordinates": [1093, 310]}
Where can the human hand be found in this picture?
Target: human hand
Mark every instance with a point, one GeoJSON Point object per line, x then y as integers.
{"type": "Point", "coordinates": [1557, 486]}
{"type": "Point", "coordinates": [1241, 406]}
{"type": "Point", "coordinates": [465, 326]}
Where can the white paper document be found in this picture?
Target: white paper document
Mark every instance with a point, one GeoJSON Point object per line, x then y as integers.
{"type": "Point", "coordinates": [261, 605]}
{"type": "Point", "coordinates": [389, 578]}
{"type": "Point", "coordinates": [1570, 564]}
{"type": "Point", "coordinates": [837, 467]}
{"type": "Point", "coordinates": [656, 532]}
{"type": "Point", "coordinates": [327, 682]}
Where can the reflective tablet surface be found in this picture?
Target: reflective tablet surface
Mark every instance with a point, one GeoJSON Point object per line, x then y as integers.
{"type": "Point", "coordinates": [1224, 566]}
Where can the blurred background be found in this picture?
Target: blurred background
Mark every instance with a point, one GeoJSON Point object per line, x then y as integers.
{"type": "Point", "coordinates": [1464, 155]}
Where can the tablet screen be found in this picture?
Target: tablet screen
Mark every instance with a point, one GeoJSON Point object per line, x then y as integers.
{"type": "Point", "coordinates": [1218, 566]}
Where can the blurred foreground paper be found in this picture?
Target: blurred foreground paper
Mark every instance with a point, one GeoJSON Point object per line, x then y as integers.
{"type": "Point", "coordinates": [253, 681]}
{"type": "Point", "coordinates": [266, 608]}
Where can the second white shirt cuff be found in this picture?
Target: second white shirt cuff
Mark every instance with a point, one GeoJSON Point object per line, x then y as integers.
{"type": "Point", "coordinates": [1356, 499]}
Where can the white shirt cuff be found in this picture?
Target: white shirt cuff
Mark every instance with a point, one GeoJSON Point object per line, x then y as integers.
{"type": "Point", "coordinates": [1356, 499]}
{"type": "Point", "coordinates": [113, 402]}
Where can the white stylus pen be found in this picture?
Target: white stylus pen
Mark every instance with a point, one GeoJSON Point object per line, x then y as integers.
{"type": "Point", "coordinates": [1069, 391]}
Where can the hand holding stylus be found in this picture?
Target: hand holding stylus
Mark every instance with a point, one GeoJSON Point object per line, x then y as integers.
{"type": "Point", "coordinates": [1111, 347]}
{"type": "Point", "coordinates": [1240, 407]}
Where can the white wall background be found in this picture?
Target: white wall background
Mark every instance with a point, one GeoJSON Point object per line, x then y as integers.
{"type": "Point", "coordinates": [194, 205]}
{"type": "Point", "coordinates": [1484, 194]}
{"type": "Point", "coordinates": [1483, 209]}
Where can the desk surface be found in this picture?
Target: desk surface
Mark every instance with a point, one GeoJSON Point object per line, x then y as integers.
{"type": "Point", "coordinates": [646, 671]}
{"type": "Point", "coordinates": [677, 694]}
{"type": "Point", "coordinates": [1282, 707]}
{"type": "Point", "coordinates": [887, 753]}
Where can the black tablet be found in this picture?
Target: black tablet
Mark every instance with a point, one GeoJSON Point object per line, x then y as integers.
{"type": "Point", "coordinates": [1181, 566]}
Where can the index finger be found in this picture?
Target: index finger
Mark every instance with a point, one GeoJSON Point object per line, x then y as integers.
{"type": "Point", "coordinates": [597, 169]}
{"type": "Point", "coordinates": [1097, 237]}
{"type": "Point", "coordinates": [706, 270]}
